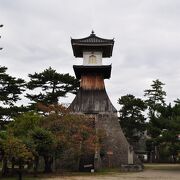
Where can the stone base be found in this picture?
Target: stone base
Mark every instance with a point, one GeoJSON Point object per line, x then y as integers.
{"type": "Point", "coordinates": [131, 168]}
{"type": "Point", "coordinates": [115, 149]}
{"type": "Point", "coordinates": [115, 146]}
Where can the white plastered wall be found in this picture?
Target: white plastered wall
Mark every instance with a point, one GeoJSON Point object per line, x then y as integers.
{"type": "Point", "coordinates": [86, 58]}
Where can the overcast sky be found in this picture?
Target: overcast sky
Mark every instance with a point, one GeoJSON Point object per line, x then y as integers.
{"type": "Point", "coordinates": [36, 35]}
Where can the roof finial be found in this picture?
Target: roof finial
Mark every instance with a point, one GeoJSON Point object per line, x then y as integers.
{"type": "Point", "coordinates": [92, 33]}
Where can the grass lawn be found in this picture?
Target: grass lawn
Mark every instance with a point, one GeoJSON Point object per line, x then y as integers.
{"type": "Point", "coordinates": [168, 167]}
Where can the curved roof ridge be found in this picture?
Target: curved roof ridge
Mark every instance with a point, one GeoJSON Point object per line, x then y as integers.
{"type": "Point", "coordinates": [91, 36]}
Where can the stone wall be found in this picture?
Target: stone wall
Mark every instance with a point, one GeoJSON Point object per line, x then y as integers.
{"type": "Point", "coordinates": [115, 144]}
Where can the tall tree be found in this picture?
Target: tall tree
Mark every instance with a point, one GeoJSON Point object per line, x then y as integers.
{"type": "Point", "coordinates": [16, 151]}
{"type": "Point", "coordinates": [3, 137]}
{"type": "Point", "coordinates": [155, 100]}
{"type": "Point", "coordinates": [155, 97]}
{"type": "Point", "coordinates": [131, 117]}
{"type": "Point", "coordinates": [169, 125]}
{"type": "Point", "coordinates": [45, 144]}
{"type": "Point", "coordinates": [22, 127]}
{"type": "Point", "coordinates": [51, 85]}
{"type": "Point", "coordinates": [10, 89]}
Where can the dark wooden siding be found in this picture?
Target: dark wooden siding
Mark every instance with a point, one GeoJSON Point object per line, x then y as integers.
{"type": "Point", "coordinates": [92, 82]}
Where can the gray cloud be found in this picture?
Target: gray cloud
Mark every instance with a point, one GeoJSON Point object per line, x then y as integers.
{"type": "Point", "coordinates": [36, 35]}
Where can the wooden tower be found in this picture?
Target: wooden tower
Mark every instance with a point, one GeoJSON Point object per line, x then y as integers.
{"type": "Point", "coordinates": [93, 100]}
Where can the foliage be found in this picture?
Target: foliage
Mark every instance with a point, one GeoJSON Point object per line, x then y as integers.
{"type": "Point", "coordinates": [15, 149]}
{"type": "Point", "coordinates": [25, 123]}
{"type": "Point", "coordinates": [10, 89]}
{"type": "Point", "coordinates": [170, 125]}
{"type": "Point", "coordinates": [52, 85]}
{"type": "Point", "coordinates": [45, 144]}
{"type": "Point", "coordinates": [70, 136]}
{"type": "Point", "coordinates": [155, 97]}
{"type": "Point", "coordinates": [55, 135]}
{"type": "Point", "coordinates": [3, 137]}
{"type": "Point", "coordinates": [164, 124]}
{"type": "Point", "coordinates": [75, 134]}
{"type": "Point", "coordinates": [131, 117]}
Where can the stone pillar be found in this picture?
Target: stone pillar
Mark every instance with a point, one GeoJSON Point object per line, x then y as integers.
{"type": "Point", "coordinates": [130, 155]}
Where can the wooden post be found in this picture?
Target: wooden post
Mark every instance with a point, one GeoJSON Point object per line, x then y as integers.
{"type": "Point", "coordinates": [109, 153]}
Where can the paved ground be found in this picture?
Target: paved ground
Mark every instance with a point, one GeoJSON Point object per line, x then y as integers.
{"type": "Point", "coordinates": [162, 172]}
{"type": "Point", "coordinates": [151, 172]}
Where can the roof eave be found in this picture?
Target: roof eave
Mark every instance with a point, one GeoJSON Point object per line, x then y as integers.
{"type": "Point", "coordinates": [105, 70]}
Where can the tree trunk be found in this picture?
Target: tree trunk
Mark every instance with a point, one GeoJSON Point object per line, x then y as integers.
{"type": "Point", "coordinates": [36, 164]}
{"type": "Point", "coordinates": [48, 164]}
{"type": "Point", "coordinates": [12, 166]}
{"type": "Point", "coordinates": [4, 167]}
{"type": "Point", "coordinates": [20, 171]}
{"type": "Point", "coordinates": [156, 149]}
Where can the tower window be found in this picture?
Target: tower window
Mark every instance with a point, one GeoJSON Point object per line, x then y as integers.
{"type": "Point", "coordinates": [92, 59]}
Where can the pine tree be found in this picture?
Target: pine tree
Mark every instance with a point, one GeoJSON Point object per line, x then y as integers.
{"type": "Point", "coordinates": [155, 97]}
{"type": "Point", "coordinates": [51, 85]}
{"type": "Point", "coordinates": [155, 102]}
{"type": "Point", "coordinates": [10, 90]}
{"type": "Point", "coordinates": [131, 117]}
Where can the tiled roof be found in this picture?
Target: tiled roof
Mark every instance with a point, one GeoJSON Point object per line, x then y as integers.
{"type": "Point", "coordinates": [92, 39]}
{"type": "Point", "coordinates": [92, 43]}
